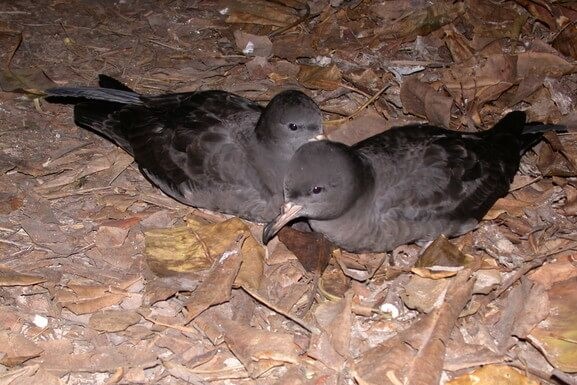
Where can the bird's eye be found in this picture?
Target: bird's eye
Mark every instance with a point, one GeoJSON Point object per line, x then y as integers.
{"type": "Point", "coordinates": [292, 127]}
{"type": "Point", "coordinates": [317, 189]}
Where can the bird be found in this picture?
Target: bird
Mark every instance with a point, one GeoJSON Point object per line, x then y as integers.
{"type": "Point", "coordinates": [208, 149]}
{"type": "Point", "coordinates": [408, 184]}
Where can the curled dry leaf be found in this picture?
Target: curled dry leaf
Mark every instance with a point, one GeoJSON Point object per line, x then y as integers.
{"type": "Point", "coordinates": [420, 22]}
{"type": "Point", "coordinates": [556, 335]}
{"type": "Point", "coordinates": [113, 320]}
{"type": "Point", "coordinates": [84, 299]}
{"type": "Point", "coordinates": [320, 78]}
{"type": "Point", "coordinates": [424, 294]}
{"type": "Point", "coordinates": [30, 80]}
{"type": "Point", "coordinates": [443, 253]}
{"type": "Point", "coordinates": [16, 349]}
{"type": "Point", "coordinates": [253, 45]}
{"type": "Point", "coordinates": [217, 286]}
{"type": "Point", "coordinates": [9, 277]}
{"type": "Point", "coordinates": [331, 346]}
{"type": "Point", "coordinates": [422, 100]}
{"type": "Point", "coordinates": [259, 350]}
{"type": "Point", "coordinates": [198, 244]}
{"type": "Point", "coordinates": [259, 12]}
{"type": "Point", "coordinates": [494, 375]}
{"type": "Point", "coordinates": [415, 356]}
{"type": "Point", "coordinates": [312, 250]}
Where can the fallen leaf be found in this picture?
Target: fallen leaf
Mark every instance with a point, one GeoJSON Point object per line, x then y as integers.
{"type": "Point", "coordinates": [195, 246]}
{"type": "Point", "coordinates": [320, 78]}
{"type": "Point", "coordinates": [16, 349]}
{"type": "Point", "coordinates": [312, 250]}
{"type": "Point", "coordinates": [217, 286]}
{"type": "Point", "coordinates": [420, 21]}
{"type": "Point", "coordinates": [30, 80]}
{"type": "Point", "coordinates": [556, 335]}
{"type": "Point", "coordinates": [113, 320]}
{"type": "Point", "coordinates": [415, 355]}
{"type": "Point", "coordinates": [259, 350]}
{"type": "Point", "coordinates": [494, 375]}
{"type": "Point", "coordinates": [253, 45]}
{"type": "Point", "coordinates": [422, 100]}
{"type": "Point", "coordinates": [9, 277]}
{"type": "Point", "coordinates": [84, 299]}
{"type": "Point", "coordinates": [259, 12]}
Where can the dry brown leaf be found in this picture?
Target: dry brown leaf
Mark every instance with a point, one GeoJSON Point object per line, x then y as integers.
{"type": "Point", "coordinates": [259, 12]}
{"type": "Point", "coordinates": [509, 205]}
{"type": "Point", "coordinates": [561, 269]}
{"type": "Point", "coordinates": [30, 374]}
{"type": "Point", "coordinates": [566, 41]}
{"type": "Point", "coordinates": [422, 100]}
{"type": "Point", "coordinates": [443, 253]}
{"type": "Point", "coordinates": [415, 356]}
{"type": "Point", "coordinates": [331, 346]}
{"type": "Point", "coordinates": [9, 277]}
{"type": "Point", "coordinates": [253, 45]}
{"type": "Point", "coordinates": [312, 250]}
{"type": "Point", "coordinates": [457, 43]}
{"type": "Point", "coordinates": [320, 78]}
{"type": "Point", "coordinates": [195, 247]}
{"type": "Point", "coordinates": [259, 350]}
{"type": "Point", "coordinates": [354, 130]}
{"type": "Point", "coordinates": [553, 158]}
{"type": "Point", "coordinates": [16, 349]}
{"type": "Point", "coordinates": [31, 80]}
{"type": "Point", "coordinates": [359, 266]}
{"type": "Point", "coordinates": [424, 294]}
{"type": "Point", "coordinates": [420, 22]}
{"type": "Point", "coordinates": [217, 286]}
{"type": "Point", "coordinates": [9, 203]}
{"type": "Point", "coordinates": [113, 320]}
{"type": "Point", "coordinates": [556, 336]}
{"type": "Point", "coordinates": [102, 359]}
{"type": "Point", "coordinates": [494, 375]}
{"type": "Point", "coordinates": [84, 299]}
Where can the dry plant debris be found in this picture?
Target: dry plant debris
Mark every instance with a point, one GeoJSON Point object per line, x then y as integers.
{"type": "Point", "coordinates": [104, 280]}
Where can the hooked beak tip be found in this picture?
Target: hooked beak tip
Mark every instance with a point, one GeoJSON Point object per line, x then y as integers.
{"type": "Point", "coordinates": [318, 137]}
{"type": "Point", "coordinates": [289, 212]}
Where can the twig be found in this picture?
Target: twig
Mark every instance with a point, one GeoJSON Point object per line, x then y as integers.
{"type": "Point", "coordinates": [73, 193]}
{"type": "Point", "coordinates": [275, 308]}
{"type": "Point", "coordinates": [175, 327]}
{"type": "Point", "coordinates": [300, 20]}
{"type": "Point", "coordinates": [359, 110]}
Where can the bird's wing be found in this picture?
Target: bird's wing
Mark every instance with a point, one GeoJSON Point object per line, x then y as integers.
{"type": "Point", "coordinates": [428, 172]}
{"type": "Point", "coordinates": [189, 145]}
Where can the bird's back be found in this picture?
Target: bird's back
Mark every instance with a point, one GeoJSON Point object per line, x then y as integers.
{"type": "Point", "coordinates": [433, 180]}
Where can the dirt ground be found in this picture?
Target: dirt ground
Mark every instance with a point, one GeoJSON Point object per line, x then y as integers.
{"type": "Point", "coordinates": [105, 280]}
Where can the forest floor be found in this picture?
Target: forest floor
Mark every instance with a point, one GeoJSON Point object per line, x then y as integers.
{"type": "Point", "coordinates": [105, 280]}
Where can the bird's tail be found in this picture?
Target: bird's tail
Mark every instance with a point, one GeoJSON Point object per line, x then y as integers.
{"type": "Point", "coordinates": [528, 134]}
{"type": "Point", "coordinates": [110, 90]}
{"type": "Point", "coordinates": [97, 108]}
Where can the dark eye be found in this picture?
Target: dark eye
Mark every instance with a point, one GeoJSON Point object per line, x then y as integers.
{"type": "Point", "coordinates": [292, 127]}
{"type": "Point", "coordinates": [317, 189]}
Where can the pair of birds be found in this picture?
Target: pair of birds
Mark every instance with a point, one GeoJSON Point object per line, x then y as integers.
{"type": "Point", "coordinates": [223, 152]}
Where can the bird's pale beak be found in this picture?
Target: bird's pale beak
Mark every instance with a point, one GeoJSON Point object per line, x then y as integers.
{"type": "Point", "coordinates": [318, 137]}
{"type": "Point", "coordinates": [289, 212]}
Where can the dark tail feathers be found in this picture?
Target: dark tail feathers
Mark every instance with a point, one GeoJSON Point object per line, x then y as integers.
{"type": "Point", "coordinates": [110, 90]}
{"type": "Point", "coordinates": [529, 134]}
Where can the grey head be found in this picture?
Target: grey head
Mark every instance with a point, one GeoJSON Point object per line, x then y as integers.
{"type": "Point", "coordinates": [290, 119]}
{"type": "Point", "coordinates": [323, 181]}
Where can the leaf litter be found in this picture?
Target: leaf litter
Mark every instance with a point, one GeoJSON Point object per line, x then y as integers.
{"type": "Point", "coordinates": [105, 280]}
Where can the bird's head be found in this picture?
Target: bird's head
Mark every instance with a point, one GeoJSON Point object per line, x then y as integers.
{"type": "Point", "coordinates": [323, 181]}
{"type": "Point", "coordinates": [290, 119]}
